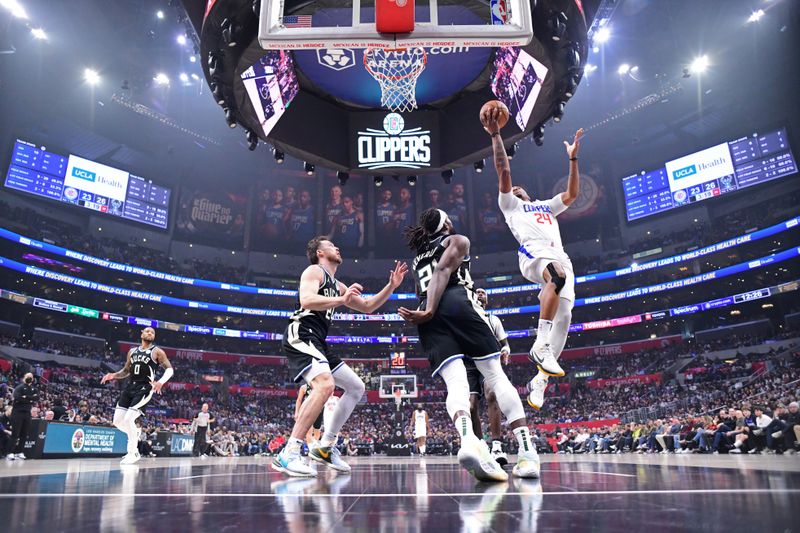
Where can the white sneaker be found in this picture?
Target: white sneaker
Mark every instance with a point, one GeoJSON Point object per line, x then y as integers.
{"type": "Point", "coordinates": [499, 455]}
{"type": "Point", "coordinates": [536, 388]}
{"type": "Point", "coordinates": [21, 456]}
{"type": "Point", "coordinates": [527, 465]}
{"type": "Point", "coordinates": [130, 458]}
{"type": "Point", "coordinates": [11, 457]}
{"type": "Point", "coordinates": [543, 357]}
{"type": "Point", "coordinates": [477, 460]}
{"type": "Point", "coordinates": [735, 450]}
{"type": "Point", "coordinates": [293, 465]}
{"type": "Point", "coordinates": [329, 456]}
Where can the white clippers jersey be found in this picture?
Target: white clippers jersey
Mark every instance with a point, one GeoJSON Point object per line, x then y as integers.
{"type": "Point", "coordinates": [497, 328]}
{"type": "Point", "coordinates": [533, 223]}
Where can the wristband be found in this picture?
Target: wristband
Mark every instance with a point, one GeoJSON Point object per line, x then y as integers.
{"type": "Point", "coordinates": [495, 134]}
{"type": "Point", "coordinates": [167, 374]}
{"type": "Point", "coordinates": [573, 158]}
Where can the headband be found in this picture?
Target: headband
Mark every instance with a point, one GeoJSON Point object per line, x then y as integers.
{"type": "Point", "coordinates": [442, 218]}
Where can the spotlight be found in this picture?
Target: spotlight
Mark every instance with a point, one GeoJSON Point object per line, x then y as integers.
{"type": "Point", "coordinates": [91, 76]}
{"type": "Point", "coordinates": [213, 63]}
{"type": "Point", "coordinates": [252, 140]}
{"type": "Point", "coordinates": [447, 176]}
{"type": "Point", "coordinates": [378, 180]}
{"type": "Point", "coordinates": [342, 177]}
{"type": "Point", "coordinates": [589, 68]}
{"type": "Point", "coordinates": [309, 168]}
{"type": "Point", "coordinates": [230, 117]}
{"type": "Point", "coordinates": [228, 33]}
{"type": "Point", "coordinates": [412, 180]}
{"type": "Point", "coordinates": [572, 86]}
{"type": "Point", "coordinates": [181, 39]}
{"type": "Point", "coordinates": [623, 69]}
{"type": "Point", "coordinates": [183, 77]}
{"type": "Point", "coordinates": [756, 16]}
{"type": "Point", "coordinates": [635, 69]}
{"type": "Point", "coordinates": [602, 35]}
{"type": "Point", "coordinates": [478, 166]}
{"type": "Point", "coordinates": [595, 49]}
{"type": "Point", "coordinates": [161, 79]}
{"type": "Point", "coordinates": [15, 8]}
{"type": "Point", "coordinates": [699, 65]}
{"type": "Point", "coordinates": [192, 58]}
{"type": "Point", "coordinates": [558, 26]}
{"type": "Point", "coordinates": [512, 151]}
{"type": "Point", "coordinates": [38, 33]}
{"type": "Point", "coordinates": [195, 77]}
{"type": "Point", "coordinates": [160, 15]}
{"type": "Point", "coordinates": [279, 157]}
{"type": "Point", "coordinates": [216, 90]}
{"type": "Point", "coordinates": [559, 113]}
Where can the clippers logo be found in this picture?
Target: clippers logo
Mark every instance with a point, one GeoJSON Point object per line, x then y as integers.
{"type": "Point", "coordinates": [684, 172]}
{"type": "Point", "coordinates": [394, 146]}
{"type": "Point", "coordinates": [83, 174]}
{"type": "Point", "coordinates": [337, 58]}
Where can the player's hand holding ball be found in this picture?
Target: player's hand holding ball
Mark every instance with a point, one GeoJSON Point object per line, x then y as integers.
{"type": "Point", "coordinates": [494, 116]}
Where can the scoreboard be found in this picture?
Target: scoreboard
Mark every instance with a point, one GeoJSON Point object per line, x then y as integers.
{"type": "Point", "coordinates": [709, 173]}
{"type": "Point", "coordinates": [88, 184]}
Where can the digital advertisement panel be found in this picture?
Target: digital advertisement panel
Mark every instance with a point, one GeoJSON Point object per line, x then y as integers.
{"type": "Point", "coordinates": [271, 85]}
{"type": "Point", "coordinates": [284, 211]}
{"type": "Point", "coordinates": [80, 439]}
{"type": "Point", "coordinates": [212, 217]}
{"type": "Point", "coordinates": [392, 141]}
{"type": "Point", "coordinates": [516, 81]}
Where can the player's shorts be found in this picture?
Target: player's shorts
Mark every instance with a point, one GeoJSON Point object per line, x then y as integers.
{"type": "Point", "coordinates": [420, 433]}
{"type": "Point", "coordinates": [533, 260]}
{"type": "Point", "coordinates": [459, 328]}
{"type": "Point", "coordinates": [474, 378]}
{"type": "Point", "coordinates": [306, 354]}
{"type": "Point", "coordinates": [135, 395]}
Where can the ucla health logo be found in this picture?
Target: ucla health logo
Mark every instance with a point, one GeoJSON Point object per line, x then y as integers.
{"type": "Point", "coordinates": [84, 174]}
{"type": "Point", "coordinates": [684, 172]}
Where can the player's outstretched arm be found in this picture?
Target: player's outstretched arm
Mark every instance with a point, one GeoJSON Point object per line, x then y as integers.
{"type": "Point", "coordinates": [489, 119]}
{"type": "Point", "coordinates": [161, 357]}
{"type": "Point", "coordinates": [456, 248]}
{"type": "Point", "coordinates": [573, 183]}
{"type": "Point", "coordinates": [121, 374]}
{"type": "Point", "coordinates": [310, 282]}
{"type": "Point", "coordinates": [369, 305]}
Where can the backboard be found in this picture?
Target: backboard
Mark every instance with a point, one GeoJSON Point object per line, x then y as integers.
{"type": "Point", "coordinates": [405, 383]}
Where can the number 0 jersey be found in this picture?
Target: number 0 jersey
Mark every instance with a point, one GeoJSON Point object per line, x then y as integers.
{"type": "Point", "coordinates": [143, 364]}
{"type": "Point", "coordinates": [425, 263]}
{"type": "Point", "coordinates": [318, 322]}
{"type": "Point", "coordinates": [533, 223]}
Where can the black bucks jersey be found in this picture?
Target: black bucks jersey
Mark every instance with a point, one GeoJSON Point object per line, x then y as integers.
{"type": "Point", "coordinates": [317, 322]}
{"type": "Point", "coordinates": [425, 263]}
{"type": "Point", "coordinates": [143, 364]}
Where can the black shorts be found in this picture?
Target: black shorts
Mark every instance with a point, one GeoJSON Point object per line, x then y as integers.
{"type": "Point", "coordinates": [135, 395]}
{"type": "Point", "coordinates": [460, 328]}
{"type": "Point", "coordinates": [303, 349]}
{"type": "Point", "coordinates": [474, 377]}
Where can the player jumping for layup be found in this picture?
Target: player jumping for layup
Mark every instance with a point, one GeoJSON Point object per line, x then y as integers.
{"type": "Point", "coordinates": [453, 325]}
{"type": "Point", "coordinates": [541, 255]}
{"type": "Point", "coordinates": [141, 365]}
{"type": "Point", "coordinates": [306, 350]}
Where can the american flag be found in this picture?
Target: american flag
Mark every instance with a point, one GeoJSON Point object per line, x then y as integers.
{"type": "Point", "coordinates": [297, 21]}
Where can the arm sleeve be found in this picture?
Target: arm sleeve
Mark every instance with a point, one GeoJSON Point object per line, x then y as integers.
{"type": "Point", "coordinates": [507, 202]}
{"type": "Point", "coordinates": [557, 205]}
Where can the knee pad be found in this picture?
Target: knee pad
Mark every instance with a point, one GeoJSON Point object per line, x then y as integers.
{"type": "Point", "coordinates": [555, 278]}
{"type": "Point", "coordinates": [455, 378]}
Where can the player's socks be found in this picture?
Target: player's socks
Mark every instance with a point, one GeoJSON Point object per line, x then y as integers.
{"type": "Point", "coordinates": [293, 446]}
{"type": "Point", "coordinates": [328, 440]}
{"type": "Point", "coordinates": [523, 435]}
{"type": "Point", "coordinates": [543, 331]}
{"type": "Point", "coordinates": [422, 449]}
{"type": "Point", "coordinates": [464, 427]}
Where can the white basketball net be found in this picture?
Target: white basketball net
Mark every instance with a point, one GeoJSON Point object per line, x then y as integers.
{"type": "Point", "coordinates": [396, 71]}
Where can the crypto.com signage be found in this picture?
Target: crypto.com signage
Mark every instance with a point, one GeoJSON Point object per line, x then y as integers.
{"type": "Point", "coordinates": [385, 141]}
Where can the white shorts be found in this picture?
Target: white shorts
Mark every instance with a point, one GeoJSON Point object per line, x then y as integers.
{"type": "Point", "coordinates": [420, 433]}
{"type": "Point", "coordinates": [533, 261]}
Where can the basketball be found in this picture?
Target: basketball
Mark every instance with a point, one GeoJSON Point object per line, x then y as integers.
{"type": "Point", "coordinates": [491, 104]}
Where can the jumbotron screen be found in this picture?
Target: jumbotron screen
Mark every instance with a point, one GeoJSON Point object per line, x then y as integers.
{"type": "Point", "coordinates": [712, 172]}
{"type": "Point", "coordinates": [87, 184]}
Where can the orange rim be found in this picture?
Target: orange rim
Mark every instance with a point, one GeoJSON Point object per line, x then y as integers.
{"type": "Point", "coordinates": [377, 75]}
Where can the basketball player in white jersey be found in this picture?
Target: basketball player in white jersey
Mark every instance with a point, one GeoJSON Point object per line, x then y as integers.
{"type": "Point", "coordinates": [542, 258]}
{"type": "Point", "coordinates": [421, 428]}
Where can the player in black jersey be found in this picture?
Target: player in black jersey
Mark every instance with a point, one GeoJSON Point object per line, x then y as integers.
{"type": "Point", "coordinates": [306, 350]}
{"type": "Point", "coordinates": [140, 366]}
{"type": "Point", "coordinates": [453, 325]}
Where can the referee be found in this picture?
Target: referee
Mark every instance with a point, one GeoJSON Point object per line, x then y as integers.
{"type": "Point", "coordinates": [201, 422]}
{"type": "Point", "coordinates": [24, 396]}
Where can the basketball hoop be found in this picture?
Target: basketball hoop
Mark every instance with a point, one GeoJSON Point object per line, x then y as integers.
{"type": "Point", "coordinates": [396, 70]}
{"type": "Point", "coordinates": [398, 397]}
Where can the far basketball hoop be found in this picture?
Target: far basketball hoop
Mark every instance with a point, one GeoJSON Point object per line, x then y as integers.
{"type": "Point", "coordinates": [398, 397]}
{"type": "Point", "coordinates": [396, 70]}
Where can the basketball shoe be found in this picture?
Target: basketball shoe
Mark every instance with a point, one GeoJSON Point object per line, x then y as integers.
{"type": "Point", "coordinates": [527, 464]}
{"type": "Point", "coordinates": [292, 464]}
{"type": "Point", "coordinates": [330, 457]}
{"type": "Point", "coordinates": [130, 458]}
{"type": "Point", "coordinates": [498, 454]}
{"type": "Point", "coordinates": [542, 355]}
{"type": "Point", "coordinates": [536, 388]}
{"type": "Point", "coordinates": [476, 459]}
